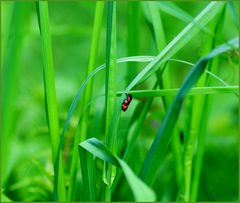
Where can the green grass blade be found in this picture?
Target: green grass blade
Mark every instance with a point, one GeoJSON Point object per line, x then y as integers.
{"type": "Point", "coordinates": [110, 67]}
{"type": "Point", "coordinates": [172, 9]}
{"type": "Point", "coordinates": [144, 109]}
{"type": "Point", "coordinates": [204, 117]}
{"type": "Point", "coordinates": [81, 135]}
{"type": "Point", "coordinates": [78, 96]}
{"type": "Point", "coordinates": [193, 91]}
{"type": "Point", "coordinates": [152, 11]}
{"type": "Point", "coordinates": [6, 17]}
{"type": "Point", "coordinates": [234, 13]}
{"type": "Point", "coordinates": [88, 175]}
{"type": "Point", "coordinates": [140, 190]}
{"type": "Point", "coordinates": [10, 69]}
{"type": "Point", "coordinates": [50, 93]}
{"type": "Point", "coordinates": [133, 34]}
{"type": "Point", "coordinates": [134, 11]}
{"type": "Point", "coordinates": [160, 143]}
{"type": "Point", "coordinates": [178, 42]}
{"type": "Point", "coordinates": [76, 99]}
{"type": "Point", "coordinates": [166, 82]}
{"type": "Point", "coordinates": [4, 198]}
{"type": "Point", "coordinates": [110, 89]}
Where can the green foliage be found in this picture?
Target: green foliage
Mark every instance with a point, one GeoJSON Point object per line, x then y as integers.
{"type": "Point", "coordinates": [65, 136]}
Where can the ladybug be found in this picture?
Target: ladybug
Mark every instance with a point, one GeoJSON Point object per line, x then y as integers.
{"type": "Point", "coordinates": [126, 102]}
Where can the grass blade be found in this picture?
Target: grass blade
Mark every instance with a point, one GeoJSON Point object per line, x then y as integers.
{"type": "Point", "coordinates": [110, 91]}
{"type": "Point", "coordinates": [77, 98]}
{"type": "Point", "coordinates": [50, 93]}
{"type": "Point", "coordinates": [140, 190]}
{"type": "Point", "coordinates": [160, 143]}
{"type": "Point", "coordinates": [204, 110]}
{"type": "Point", "coordinates": [110, 67]}
{"type": "Point", "coordinates": [88, 92]}
{"type": "Point", "coordinates": [6, 18]}
{"type": "Point", "coordinates": [234, 13]}
{"type": "Point", "coordinates": [133, 34]}
{"type": "Point", "coordinates": [193, 91]}
{"type": "Point", "coordinates": [166, 82]}
{"type": "Point", "coordinates": [10, 61]}
{"type": "Point", "coordinates": [88, 175]}
{"type": "Point", "coordinates": [178, 42]}
{"type": "Point", "coordinates": [172, 9]}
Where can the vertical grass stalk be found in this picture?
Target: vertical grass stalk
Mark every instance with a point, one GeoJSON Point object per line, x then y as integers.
{"type": "Point", "coordinates": [110, 89]}
{"type": "Point", "coordinates": [50, 94]}
{"type": "Point", "coordinates": [203, 121]}
{"type": "Point", "coordinates": [160, 39]}
{"type": "Point", "coordinates": [133, 34]}
{"type": "Point", "coordinates": [19, 24]}
{"type": "Point", "coordinates": [82, 133]}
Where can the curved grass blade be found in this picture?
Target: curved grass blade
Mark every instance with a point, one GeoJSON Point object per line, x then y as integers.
{"type": "Point", "coordinates": [173, 47]}
{"type": "Point", "coordinates": [77, 98]}
{"type": "Point", "coordinates": [160, 143]}
{"type": "Point", "coordinates": [93, 146]}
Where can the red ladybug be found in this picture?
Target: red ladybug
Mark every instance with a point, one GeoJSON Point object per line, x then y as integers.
{"type": "Point", "coordinates": [126, 102]}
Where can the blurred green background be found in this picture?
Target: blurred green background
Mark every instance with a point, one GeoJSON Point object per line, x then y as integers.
{"type": "Point", "coordinates": [29, 158]}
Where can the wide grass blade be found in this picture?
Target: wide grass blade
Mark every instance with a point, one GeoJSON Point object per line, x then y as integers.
{"type": "Point", "coordinates": [50, 94]}
{"type": "Point", "coordinates": [140, 190]}
{"type": "Point", "coordinates": [88, 175]}
{"type": "Point", "coordinates": [160, 143]}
